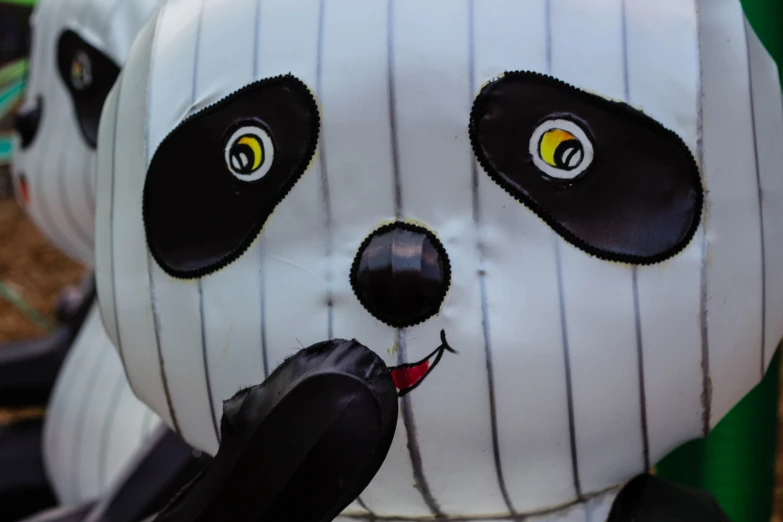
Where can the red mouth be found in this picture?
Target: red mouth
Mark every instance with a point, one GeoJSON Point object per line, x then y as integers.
{"type": "Point", "coordinates": [408, 376]}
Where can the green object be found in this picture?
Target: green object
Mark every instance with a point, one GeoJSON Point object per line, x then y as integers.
{"type": "Point", "coordinates": [5, 149]}
{"type": "Point", "coordinates": [13, 71]}
{"type": "Point", "coordinates": [766, 17]}
{"type": "Point", "coordinates": [9, 95]}
{"type": "Point", "coordinates": [29, 3]}
{"type": "Point", "coordinates": [736, 462]}
{"type": "Point", "coordinates": [12, 297]}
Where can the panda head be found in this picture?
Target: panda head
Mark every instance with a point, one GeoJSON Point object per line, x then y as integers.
{"type": "Point", "coordinates": [78, 47]}
{"type": "Point", "coordinates": [565, 194]}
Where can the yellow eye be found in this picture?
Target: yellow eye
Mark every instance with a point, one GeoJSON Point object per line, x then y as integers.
{"type": "Point", "coordinates": [561, 149]}
{"type": "Point", "coordinates": [249, 153]}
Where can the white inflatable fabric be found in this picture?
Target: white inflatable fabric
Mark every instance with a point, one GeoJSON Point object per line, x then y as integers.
{"type": "Point", "coordinates": [54, 174]}
{"type": "Point", "coordinates": [94, 424]}
{"type": "Point", "coordinates": [588, 347]}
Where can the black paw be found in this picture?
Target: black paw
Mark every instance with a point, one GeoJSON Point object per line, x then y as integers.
{"type": "Point", "coordinates": [649, 499]}
{"type": "Point", "coordinates": [302, 445]}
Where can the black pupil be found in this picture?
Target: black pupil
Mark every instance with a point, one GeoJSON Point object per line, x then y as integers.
{"type": "Point", "coordinates": [565, 153]}
{"type": "Point", "coordinates": [242, 158]}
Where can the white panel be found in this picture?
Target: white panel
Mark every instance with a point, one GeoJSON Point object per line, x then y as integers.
{"type": "Point", "coordinates": [356, 146]}
{"type": "Point", "coordinates": [356, 150]}
{"type": "Point", "coordinates": [104, 218]}
{"type": "Point", "coordinates": [94, 408]}
{"type": "Point", "coordinates": [663, 81]}
{"type": "Point", "coordinates": [131, 262]}
{"type": "Point", "coordinates": [171, 77]}
{"type": "Point", "coordinates": [769, 137]}
{"type": "Point", "coordinates": [521, 283]}
{"type": "Point", "coordinates": [75, 409]}
{"type": "Point", "coordinates": [294, 236]}
{"type": "Point", "coordinates": [87, 17]}
{"type": "Point", "coordinates": [94, 424]}
{"type": "Point", "coordinates": [220, 73]}
{"type": "Point", "coordinates": [232, 305]}
{"type": "Point", "coordinates": [70, 195]}
{"type": "Point", "coordinates": [181, 342]}
{"type": "Point", "coordinates": [126, 434]}
{"type": "Point", "coordinates": [586, 45]}
{"type": "Point", "coordinates": [734, 311]}
{"type": "Point", "coordinates": [431, 78]}
{"type": "Point", "coordinates": [149, 424]}
{"type": "Point", "coordinates": [61, 411]}
{"type": "Point", "coordinates": [44, 188]}
{"type": "Point", "coordinates": [232, 328]}
{"type": "Point", "coordinates": [125, 20]}
{"type": "Point", "coordinates": [177, 302]}
{"type": "Point", "coordinates": [598, 296]}
{"type": "Point", "coordinates": [41, 79]}
{"type": "Point", "coordinates": [39, 162]}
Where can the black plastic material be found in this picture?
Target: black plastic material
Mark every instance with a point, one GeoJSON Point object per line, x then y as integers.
{"type": "Point", "coordinates": [76, 513]}
{"type": "Point", "coordinates": [301, 446]}
{"type": "Point", "coordinates": [24, 487]}
{"type": "Point", "coordinates": [650, 499]}
{"type": "Point", "coordinates": [29, 368]}
{"type": "Point", "coordinates": [165, 466]}
{"type": "Point", "coordinates": [198, 215]}
{"type": "Point", "coordinates": [27, 122]}
{"type": "Point", "coordinates": [401, 274]}
{"type": "Point", "coordinates": [640, 200]}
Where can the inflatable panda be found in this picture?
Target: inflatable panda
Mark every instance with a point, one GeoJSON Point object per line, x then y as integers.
{"type": "Point", "coordinates": [94, 423]}
{"type": "Point", "coordinates": [555, 224]}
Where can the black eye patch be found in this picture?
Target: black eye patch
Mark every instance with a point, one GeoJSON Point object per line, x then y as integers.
{"type": "Point", "coordinates": [214, 181]}
{"type": "Point", "coordinates": [88, 75]}
{"type": "Point", "coordinates": [606, 177]}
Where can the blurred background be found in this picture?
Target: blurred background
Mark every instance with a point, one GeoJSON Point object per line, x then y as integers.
{"type": "Point", "coordinates": [34, 275]}
{"type": "Point", "coordinates": [737, 463]}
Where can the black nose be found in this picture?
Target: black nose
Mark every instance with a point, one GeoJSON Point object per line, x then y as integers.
{"type": "Point", "coordinates": [27, 121]}
{"type": "Point", "coordinates": [401, 274]}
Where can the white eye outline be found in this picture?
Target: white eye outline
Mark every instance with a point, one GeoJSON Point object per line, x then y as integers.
{"type": "Point", "coordinates": [267, 149]}
{"type": "Point", "coordinates": [575, 130]}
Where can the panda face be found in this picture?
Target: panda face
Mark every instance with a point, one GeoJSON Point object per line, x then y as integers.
{"type": "Point", "coordinates": [77, 47]}
{"type": "Point", "coordinates": [528, 209]}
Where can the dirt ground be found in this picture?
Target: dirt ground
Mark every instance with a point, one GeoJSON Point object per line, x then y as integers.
{"type": "Point", "coordinates": [33, 269]}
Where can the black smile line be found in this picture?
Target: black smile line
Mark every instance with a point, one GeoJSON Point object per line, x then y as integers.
{"type": "Point", "coordinates": [438, 353]}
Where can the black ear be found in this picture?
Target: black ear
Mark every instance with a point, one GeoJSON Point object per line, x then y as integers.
{"type": "Point", "coordinates": [88, 75]}
{"type": "Point", "coordinates": [650, 499]}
